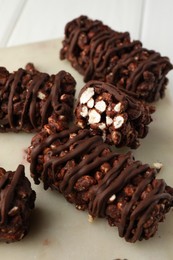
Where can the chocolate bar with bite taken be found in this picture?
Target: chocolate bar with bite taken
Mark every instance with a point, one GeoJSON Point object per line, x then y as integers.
{"type": "Point", "coordinates": [113, 113]}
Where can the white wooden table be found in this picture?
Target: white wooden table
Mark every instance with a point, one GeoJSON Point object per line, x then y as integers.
{"type": "Point", "coordinates": [26, 21]}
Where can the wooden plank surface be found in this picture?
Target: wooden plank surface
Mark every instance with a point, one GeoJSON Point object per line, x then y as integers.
{"type": "Point", "coordinates": [156, 32]}
{"type": "Point", "coordinates": [42, 20]}
{"type": "Point", "coordinates": [9, 14]}
{"type": "Point", "coordinates": [26, 21]}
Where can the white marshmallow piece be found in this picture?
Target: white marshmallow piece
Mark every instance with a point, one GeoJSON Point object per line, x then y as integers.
{"type": "Point", "coordinates": [90, 103]}
{"type": "Point", "coordinates": [109, 120]}
{"type": "Point", "coordinates": [94, 117]}
{"type": "Point", "coordinates": [100, 106]}
{"type": "Point", "coordinates": [117, 107]}
{"type": "Point", "coordinates": [102, 126]}
{"type": "Point", "coordinates": [118, 122]}
{"type": "Point", "coordinates": [84, 111]}
{"type": "Point", "coordinates": [86, 95]}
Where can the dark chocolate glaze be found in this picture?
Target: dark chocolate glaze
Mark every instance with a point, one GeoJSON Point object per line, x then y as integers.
{"type": "Point", "coordinates": [87, 165]}
{"type": "Point", "coordinates": [3, 180]}
{"type": "Point", "coordinates": [87, 152]}
{"type": "Point", "coordinates": [106, 54]}
{"type": "Point", "coordinates": [16, 202]}
{"type": "Point", "coordinates": [93, 67]}
{"type": "Point", "coordinates": [7, 190]}
{"type": "Point", "coordinates": [93, 145]}
{"type": "Point", "coordinates": [47, 142]}
{"type": "Point", "coordinates": [142, 211]}
{"type": "Point", "coordinates": [34, 113]}
{"type": "Point", "coordinates": [115, 51]}
{"type": "Point", "coordinates": [100, 38]}
{"type": "Point", "coordinates": [154, 59]}
{"type": "Point", "coordinates": [114, 182]}
{"type": "Point", "coordinates": [14, 85]}
{"type": "Point", "coordinates": [119, 94]}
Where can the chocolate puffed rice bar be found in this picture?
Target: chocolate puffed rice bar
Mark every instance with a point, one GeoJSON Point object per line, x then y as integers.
{"type": "Point", "coordinates": [109, 185]}
{"type": "Point", "coordinates": [113, 113]}
{"type": "Point", "coordinates": [100, 53]}
{"type": "Point", "coordinates": [29, 99]}
{"type": "Point", "coordinates": [16, 203]}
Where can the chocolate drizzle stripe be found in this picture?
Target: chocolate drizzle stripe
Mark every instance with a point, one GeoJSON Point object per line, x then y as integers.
{"type": "Point", "coordinates": [134, 199]}
{"type": "Point", "coordinates": [117, 36]}
{"type": "Point", "coordinates": [125, 61]}
{"type": "Point", "coordinates": [151, 203]}
{"type": "Point", "coordinates": [106, 38]}
{"type": "Point", "coordinates": [114, 51]}
{"type": "Point", "coordinates": [30, 100]}
{"type": "Point", "coordinates": [104, 184]}
{"type": "Point", "coordinates": [107, 180]}
{"type": "Point", "coordinates": [8, 192]}
{"type": "Point", "coordinates": [100, 37]}
{"type": "Point", "coordinates": [35, 85]}
{"type": "Point", "coordinates": [47, 142]}
{"type": "Point", "coordinates": [144, 203]}
{"type": "Point", "coordinates": [46, 111]}
{"type": "Point", "coordinates": [55, 162]}
{"type": "Point", "coordinates": [52, 101]}
{"type": "Point", "coordinates": [73, 40]}
{"type": "Point", "coordinates": [118, 94]}
{"type": "Point", "coordinates": [86, 166]}
{"type": "Point", "coordinates": [7, 85]}
{"type": "Point", "coordinates": [147, 204]}
{"type": "Point", "coordinates": [56, 89]}
{"type": "Point", "coordinates": [157, 91]}
{"type": "Point", "coordinates": [14, 85]}
{"type": "Point", "coordinates": [3, 180]}
{"type": "Point", "coordinates": [106, 86]}
{"type": "Point", "coordinates": [99, 204]}
{"type": "Point", "coordinates": [56, 93]}
{"type": "Point", "coordinates": [136, 75]}
{"type": "Point", "coordinates": [139, 229]}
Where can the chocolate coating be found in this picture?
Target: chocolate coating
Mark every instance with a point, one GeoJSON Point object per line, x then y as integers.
{"type": "Point", "coordinates": [28, 98]}
{"type": "Point", "coordinates": [117, 104]}
{"type": "Point", "coordinates": [100, 53]}
{"type": "Point", "coordinates": [109, 185]}
{"type": "Point", "coordinates": [16, 202]}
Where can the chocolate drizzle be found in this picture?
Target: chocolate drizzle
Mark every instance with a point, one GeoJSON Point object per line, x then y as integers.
{"type": "Point", "coordinates": [7, 190]}
{"type": "Point", "coordinates": [142, 211]}
{"type": "Point", "coordinates": [111, 56]}
{"type": "Point", "coordinates": [14, 85]}
{"type": "Point", "coordinates": [117, 93]}
{"type": "Point", "coordinates": [16, 202]}
{"type": "Point", "coordinates": [93, 160]}
{"type": "Point", "coordinates": [32, 97]}
{"type": "Point", "coordinates": [74, 155]}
